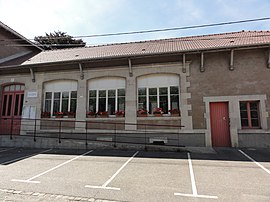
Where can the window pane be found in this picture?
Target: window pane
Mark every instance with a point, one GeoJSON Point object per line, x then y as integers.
{"type": "Point", "coordinates": [74, 94]}
{"type": "Point", "coordinates": [174, 102]}
{"type": "Point", "coordinates": [48, 95]}
{"type": "Point", "coordinates": [6, 88]}
{"type": "Point", "coordinates": [253, 106]}
{"type": "Point", "coordinates": [254, 114]}
{"type": "Point", "coordinates": [121, 104]}
{"type": "Point", "coordinates": [48, 105]}
{"type": "Point", "coordinates": [92, 93]}
{"type": "Point", "coordinates": [111, 93]}
{"type": "Point", "coordinates": [102, 104]}
{"type": "Point", "coordinates": [65, 95]}
{"type": "Point", "coordinates": [163, 91]}
{"type": "Point", "coordinates": [56, 105]}
{"type": "Point", "coordinates": [142, 103]}
{"type": "Point", "coordinates": [174, 90]}
{"type": "Point", "coordinates": [16, 105]}
{"type": "Point", "coordinates": [4, 105]}
{"type": "Point", "coordinates": [12, 88]}
{"type": "Point", "coordinates": [121, 92]}
{"type": "Point", "coordinates": [73, 105]}
{"type": "Point", "coordinates": [64, 105]}
{"type": "Point", "coordinates": [163, 103]}
{"type": "Point", "coordinates": [111, 106]}
{"type": "Point", "coordinates": [255, 122]}
{"type": "Point", "coordinates": [102, 93]}
{"type": "Point", "coordinates": [57, 95]}
{"type": "Point", "coordinates": [244, 122]}
{"type": "Point", "coordinates": [92, 104]}
{"type": "Point", "coordinates": [18, 87]}
{"type": "Point", "coordinates": [244, 114]}
{"type": "Point", "coordinates": [243, 106]}
{"type": "Point", "coordinates": [152, 103]}
{"type": "Point", "coordinates": [9, 105]}
{"type": "Point", "coordinates": [152, 91]}
{"type": "Point", "coordinates": [142, 91]}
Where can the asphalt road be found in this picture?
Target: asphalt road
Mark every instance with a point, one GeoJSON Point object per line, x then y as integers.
{"type": "Point", "coordinates": [116, 175]}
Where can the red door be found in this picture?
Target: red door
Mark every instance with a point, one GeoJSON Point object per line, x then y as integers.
{"type": "Point", "coordinates": [220, 128]}
{"type": "Point", "coordinates": [11, 109]}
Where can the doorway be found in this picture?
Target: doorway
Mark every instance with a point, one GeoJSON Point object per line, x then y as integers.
{"type": "Point", "coordinates": [11, 109]}
{"type": "Point", "coordinates": [220, 127]}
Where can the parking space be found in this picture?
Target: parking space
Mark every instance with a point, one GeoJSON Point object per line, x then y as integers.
{"type": "Point", "coordinates": [221, 174]}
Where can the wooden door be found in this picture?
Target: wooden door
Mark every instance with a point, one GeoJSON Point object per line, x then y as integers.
{"type": "Point", "coordinates": [11, 109]}
{"type": "Point", "coordinates": [220, 128]}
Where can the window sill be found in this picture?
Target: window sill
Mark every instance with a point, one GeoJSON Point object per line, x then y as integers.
{"type": "Point", "coordinates": [248, 131]}
{"type": "Point", "coordinates": [158, 117]}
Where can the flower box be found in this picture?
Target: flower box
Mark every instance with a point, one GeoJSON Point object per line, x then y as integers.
{"type": "Point", "coordinates": [103, 114]}
{"type": "Point", "coordinates": [91, 114]}
{"type": "Point", "coordinates": [59, 114]}
{"type": "Point", "coordinates": [175, 112]}
{"type": "Point", "coordinates": [71, 114]}
{"type": "Point", "coordinates": [120, 113]}
{"type": "Point", "coordinates": [158, 112]}
{"type": "Point", "coordinates": [45, 115]}
{"type": "Point", "coordinates": [142, 113]}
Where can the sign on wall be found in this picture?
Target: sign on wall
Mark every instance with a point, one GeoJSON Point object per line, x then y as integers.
{"type": "Point", "coordinates": [32, 94]}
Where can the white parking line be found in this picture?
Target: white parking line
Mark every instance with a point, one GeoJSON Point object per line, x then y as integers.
{"type": "Point", "coordinates": [258, 164]}
{"type": "Point", "coordinates": [104, 186]}
{"type": "Point", "coordinates": [193, 184]}
{"type": "Point", "coordinates": [24, 157]}
{"type": "Point", "coordinates": [43, 173]}
{"type": "Point", "coordinates": [6, 150]}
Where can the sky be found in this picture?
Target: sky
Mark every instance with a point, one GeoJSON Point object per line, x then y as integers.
{"type": "Point", "coordinates": [89, 17]}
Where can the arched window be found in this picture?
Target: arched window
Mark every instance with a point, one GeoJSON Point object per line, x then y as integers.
{"type": "Point", "coordinates": [60, 96]}
{"type": "Point", "coordinates": [106, 95]}
{"type": "Point", "coordinates": [158, 91]}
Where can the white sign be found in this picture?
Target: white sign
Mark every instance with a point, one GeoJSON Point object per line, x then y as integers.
{"type": "Point", "coordinates": [32, 94]}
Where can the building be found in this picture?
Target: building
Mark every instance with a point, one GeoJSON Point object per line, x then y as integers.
{"type": "Point", "coordinates": [215, 86]}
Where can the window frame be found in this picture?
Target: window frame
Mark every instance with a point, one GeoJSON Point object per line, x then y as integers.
{"type": "Point", "coordinates": [116, 97]}
{"type": "Point", "coordinates": [158, 97]}
{"type": "Point", "coordinates": [249, 118]}
{"type": "Point", "coordinates": [60, 100]}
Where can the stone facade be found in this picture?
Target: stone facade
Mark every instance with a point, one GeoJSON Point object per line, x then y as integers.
{"type": "Point", "coordinates": [249, 80]}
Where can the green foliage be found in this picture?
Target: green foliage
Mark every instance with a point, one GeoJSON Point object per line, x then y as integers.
{"type": "Point", "coordinates": [58, 40]}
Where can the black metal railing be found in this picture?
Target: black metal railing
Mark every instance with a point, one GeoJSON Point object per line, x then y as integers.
{"type": "Point", "coordinates": [93, 131]}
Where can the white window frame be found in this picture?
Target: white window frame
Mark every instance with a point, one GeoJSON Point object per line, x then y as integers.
{"type": "Point", "coordinates": [158, 81]}
{"type": "Point", "coordinates": [59, 86]}
{"type": "Point", "coordinates": [106, 83]}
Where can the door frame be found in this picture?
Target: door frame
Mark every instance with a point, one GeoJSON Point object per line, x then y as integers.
{"type": "Point", "coordinates": [231, 110]}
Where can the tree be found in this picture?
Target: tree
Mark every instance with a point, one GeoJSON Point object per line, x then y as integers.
{"type": "Point", "coordinates": [58, 40]}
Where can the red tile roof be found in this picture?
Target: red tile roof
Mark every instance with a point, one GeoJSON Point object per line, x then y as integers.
{"type": "Point", "coordinates": [164, 46]}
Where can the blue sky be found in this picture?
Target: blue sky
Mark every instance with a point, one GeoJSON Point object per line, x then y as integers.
{"type": "Point", "coordinates": [86, 17]}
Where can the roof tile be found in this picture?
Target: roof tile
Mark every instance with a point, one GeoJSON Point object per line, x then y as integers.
{"type": "Point", "coordinates": [183, 44]}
